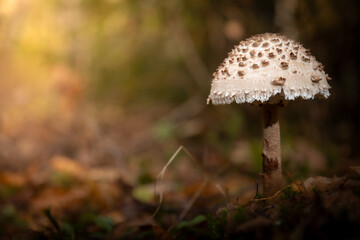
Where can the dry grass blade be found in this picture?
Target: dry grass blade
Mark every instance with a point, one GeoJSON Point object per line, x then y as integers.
{"type": "Point", "coordinates": [196, 194]}
{"type": "Point", "coordinates": [160, 177]}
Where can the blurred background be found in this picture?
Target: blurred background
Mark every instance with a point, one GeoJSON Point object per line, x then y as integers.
{"type": "Point", "coordinates": [123, 83]}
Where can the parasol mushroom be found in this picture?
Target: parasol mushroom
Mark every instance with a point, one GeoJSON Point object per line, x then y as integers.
{"type": "Point", "coordinates": [268, 70]}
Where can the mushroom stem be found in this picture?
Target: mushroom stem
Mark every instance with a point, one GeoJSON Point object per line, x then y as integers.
{"type": "Point", "coordinates": [271, 154]}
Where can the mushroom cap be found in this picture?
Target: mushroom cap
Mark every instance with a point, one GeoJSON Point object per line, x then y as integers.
{"type": "Point", "coordinates": [268, 68]}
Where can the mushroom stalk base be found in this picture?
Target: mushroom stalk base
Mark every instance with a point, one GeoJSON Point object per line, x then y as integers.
{"type": "Point", "coordinates": [271, 154]}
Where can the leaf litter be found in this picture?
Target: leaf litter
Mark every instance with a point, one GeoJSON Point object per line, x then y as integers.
{"type": "Point", "coordinates": [96, 203]}
{"type": "Point", "coordinates": [66, 198]}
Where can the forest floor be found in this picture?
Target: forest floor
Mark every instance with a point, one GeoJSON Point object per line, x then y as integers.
{"type": "Point", "coordinates": [54, 186]}
{"type": "Point", "coordinates": [70, 201]}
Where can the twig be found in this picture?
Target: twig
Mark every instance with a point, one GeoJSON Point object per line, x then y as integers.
{"type": "Point", "coordinates": [273, 196]}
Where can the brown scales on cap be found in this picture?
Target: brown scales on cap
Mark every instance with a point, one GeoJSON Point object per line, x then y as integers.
{"type": "Point", "coordinates": [254, 66]}
{"type": "Point", "coordinates": [271, 55]}
{"type": "Point", "coordinates": [279, 81]}
{"type": "Point", "coordinates": [241, 73]}
{"type": "Point", "coordinates": [315, 79]}
{"type": "Point", "coordinates": [318, 67]}
{"type": "Point", "coordinates": [252, 53]}
{"type": "Point", "coordinates": [305, 59]}
{"type": "Point", "coordinates": [293, 56]}
{"type": "Point", "coordinates": [264, 63]}
{"type": "Point", "coordinates": [284, 65]}
{"type": "Point", "coordinates": [265, 44]}
{"type": "Point", "coordinates": [255, 44]}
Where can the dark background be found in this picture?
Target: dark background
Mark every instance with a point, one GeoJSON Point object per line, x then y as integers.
{"type": "Point", "coordinates": [107, 82]}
